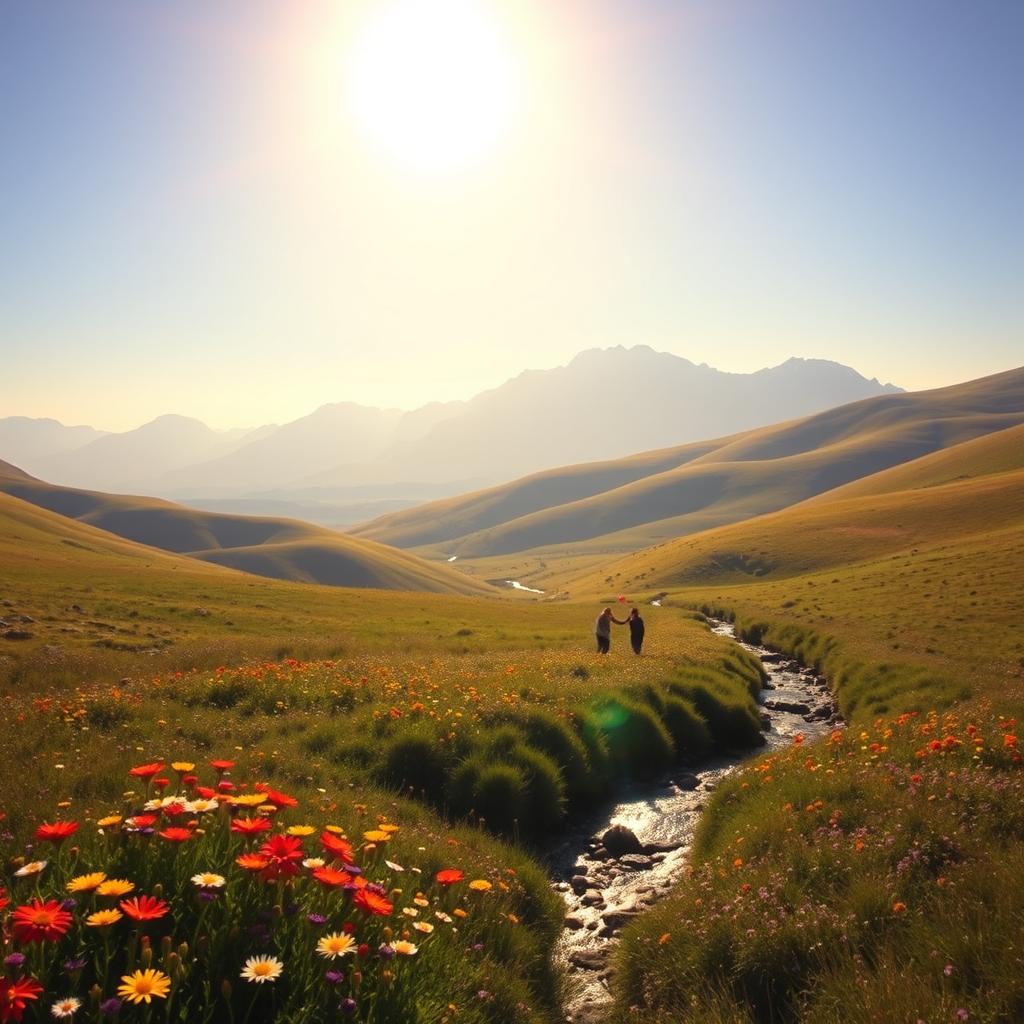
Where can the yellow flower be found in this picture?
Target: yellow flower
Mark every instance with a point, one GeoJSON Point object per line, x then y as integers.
{"type": "Point", "coordinates": [142, 986]}
{"type": "Point", "coordinates": [183, 767]}
{"type": "Point", "coordinates": [423, 926]}
{"type": "Point", "coordinates": [480, 885]}
{"type": "Point", "coordinates": [115, 887]}
{"type": "Point", "coordinates": [376, 835]}
{"type": "Point", "coordinates": [403, 948]}
{"type": "Point", "coordinates": [385, 827]}
{"type": "Point", "coordinates": [109, 821]}
{"type": "Point", "coordinates": [262, 968]}
{"type": "Point", "coordinates": [336, 944]}
{"type": "Point", "coordinates": [103, 918]}
{"type": "Point", "coordinates": [459, 912]}
{"type": "Point", "coordinates": [300, 830]}
{"type": "Point", "coordinates": [247, 799]}
{"type": "Point", "coordinates": [86, 883]}
{"type": "Point", "coordinates": [421, 901]}
{"type": "Point", "coordinates": [335, 829]}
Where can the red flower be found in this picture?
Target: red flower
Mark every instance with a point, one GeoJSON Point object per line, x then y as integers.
{"type": "Point", "coordinates": [276, 798]}
{"type": "Point", "coordinates": [372, 903]}
{"type": "Point", "coordinates": [144, 908]}
{"type": "Point", "coordinates": [15, 994]}
{"type": "Point", "coordinates": [56, 832]}
{"type": "Point", "coordinates": [206, 792]}
{"type": "Point", "coordinates": [172, 810]}
{"type": "Point", "coordinates": [141, 821]}
{"type": "Point", "coordinates": [176, 835]}
{"type": "Point", "coordinates": [161, 783]}
{"type": "Point", "coordinates": [146, 771]}
{"type": "Point", "coordinates": [282, 854]}
{"type": "Point", "coordinates": [448, 876]}
{"type": "Point", "coordinates": [3, 898]}
{"type": "Point", "coordinates": [40, 922]}
{"type": "Point", "coordinates": [340, 849]}
{"type": "Point", "coordinates": [329, 878]}
{"type": "Point", "coordinates": [250, 826]}
{"type": "Point", "coordinates": [222, 766]}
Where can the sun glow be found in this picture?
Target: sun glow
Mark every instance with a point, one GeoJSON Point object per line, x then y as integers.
{"type": "Point", "coordinates": [434, 83]}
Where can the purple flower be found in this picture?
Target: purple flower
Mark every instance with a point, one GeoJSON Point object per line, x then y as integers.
{"type": "Point", "coordinates": [348, 1007]}
{"type": "Point", "coordinates": [483, 994]}
{"type": "Point", "coordinates": [15, 960]}
{"type": "Point", "coordinates": [385, 952]}
{"type": "Point", "coordinates": [110, 1007]}
{"type": "Point", "coordinates": [334, 977]}
{"type": "Point", "coordinates": [206, 895]}
{"type": "Point", "coordinates": [75, 964]}
{"type": "Point", "coordinates": [69, 904]}
{"type": "Point", "coordinates": [317, 919]}
{"type": "Point", "coordinates": [947, 970]}
{"type": "Point", "coordinates": [962, 1014]}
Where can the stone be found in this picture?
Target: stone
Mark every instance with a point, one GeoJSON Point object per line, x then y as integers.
{"type": "Point", "coordinates": [687, 781]}
{"type": "Point", "coordinates": [589, 959]}
{"type": "Point", "coordinates": [573, 923]}
{"type": "Point", "coordinates": [580, 884]}
{"type": "Point", "coordinates": [636, 862]}
{"type": "Point", "coordinates": [616, 919]}
{"type": "Point", "coordinates": [619, 840]}
{"type": "Point", "coordinates": [591, 898]}
{"type": "Point", "coordinates": [17, 634]}
{"type": "Point", "coordinates": [793, 707]}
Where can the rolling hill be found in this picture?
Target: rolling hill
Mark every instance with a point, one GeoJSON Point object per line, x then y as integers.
{"type": "Point", "coordinates": [642, 500]}
{"type": "Point", "coordinates": [971, 490]}
{"type": "Point", "coordinates": [279, 548]}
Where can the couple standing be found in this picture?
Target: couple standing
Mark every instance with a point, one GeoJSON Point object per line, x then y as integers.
{"type": "Point", "coordinates": [603, 630]}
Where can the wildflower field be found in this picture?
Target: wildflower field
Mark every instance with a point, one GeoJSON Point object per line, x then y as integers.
{"type": "Point", "coordinates": [303, 840]}
{"type": "Point", "coordinates": [873, 877]}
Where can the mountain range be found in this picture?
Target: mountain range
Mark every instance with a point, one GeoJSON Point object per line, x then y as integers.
{"type": "Point", "coordinates": [345, 462]}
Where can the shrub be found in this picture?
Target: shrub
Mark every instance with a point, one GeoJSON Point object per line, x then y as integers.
{"type": "Point", "coordinates": [493, 791]}
{"type": "Point", "coordinates": [639, 743]}
{"type": "Point", "coordinates": [415, 760]}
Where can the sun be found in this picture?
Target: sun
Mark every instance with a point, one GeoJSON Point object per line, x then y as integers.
{"type": "Point", "coordinates": [434, 83]}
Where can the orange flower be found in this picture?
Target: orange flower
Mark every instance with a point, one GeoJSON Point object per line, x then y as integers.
{"type": "Point", "coordinates": [14, 995]}
{"type": "Point", "coordinates": [146, 771]}
{"type": "Point", "coordinates": [373, 903]}
{"type": "Point", "coordinates": [222, 766]}
{"type": "Point", "coordinates": [176, 835]}
{"type": "Point", "coordinates": [898, 907]}
{"type": "Point", "coordinates": [340, 849]}
{"type": "Point", "coordinates": [56, 832]}
{"type": "Point", "coordinates": [144, 908]}
{"type": "Point", "coordinates": [448, 876]}
{"type": "Point", "coordinates": [252, 862]}
{"type": "Point", "coordinates": [329, 878]}
{"type": "Point", "coordinates": [250, 826]}
{"type": "Point", "coordinates": [40, 922]}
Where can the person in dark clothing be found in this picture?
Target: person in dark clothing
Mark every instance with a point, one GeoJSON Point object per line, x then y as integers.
{"type": "Point", "coordinates": [636, 630]}
{"type": "Point", "coordinates": [603, 629]}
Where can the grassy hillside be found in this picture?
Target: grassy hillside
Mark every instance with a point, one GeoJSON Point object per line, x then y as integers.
{"type": "Point", "coordinates": [641, 501]}
{"type": "Point", "coordinates": [103, 607]}
{"type": "Point", "coordinates": [279, 548]}
{"type": "Point", "coordinates": [902, 569]}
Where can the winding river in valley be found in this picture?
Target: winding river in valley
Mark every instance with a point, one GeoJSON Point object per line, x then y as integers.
{"type": "Point", "coordinates": [608, 877]}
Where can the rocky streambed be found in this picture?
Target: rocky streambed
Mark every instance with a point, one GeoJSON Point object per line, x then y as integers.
{"type": "Point", "coordinates": [621, 860]}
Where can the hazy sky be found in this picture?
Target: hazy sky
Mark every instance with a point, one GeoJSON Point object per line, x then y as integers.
{"type": "Point", "coordinates": [242, 210]}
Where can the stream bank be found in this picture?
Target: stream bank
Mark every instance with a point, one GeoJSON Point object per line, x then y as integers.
{"type": "Point", "coordinates": [621, 859]}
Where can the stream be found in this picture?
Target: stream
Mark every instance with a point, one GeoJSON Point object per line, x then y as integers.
{"type": "Point", "coordinates": [604, 888]}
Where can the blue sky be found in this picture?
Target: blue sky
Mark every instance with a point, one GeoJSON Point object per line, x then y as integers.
{"type": "Point", "coordinates": [195, 222]}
